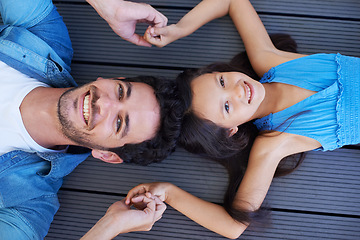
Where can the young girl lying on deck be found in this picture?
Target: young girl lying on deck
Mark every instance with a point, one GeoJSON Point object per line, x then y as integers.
{"type": "Point", "coordinates": [301, 103]}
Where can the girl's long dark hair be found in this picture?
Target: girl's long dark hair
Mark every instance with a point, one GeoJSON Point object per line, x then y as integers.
{"type": "Point", "coordinates": [203, 137]}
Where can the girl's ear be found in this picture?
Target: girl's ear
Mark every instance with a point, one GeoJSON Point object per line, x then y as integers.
{"type": "Point", "coordinates": [232, 131]}
{"type": "Point", "coordinates": [106, 156]}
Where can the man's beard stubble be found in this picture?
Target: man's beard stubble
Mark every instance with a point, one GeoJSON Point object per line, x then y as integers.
{"type": "Point", "coordinates": [69, 130]}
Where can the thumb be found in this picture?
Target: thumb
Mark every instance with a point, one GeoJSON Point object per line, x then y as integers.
{"type": "Point", "coordinates": [138, 40]}
{"type": "Point", "coordinates": [158, 31]}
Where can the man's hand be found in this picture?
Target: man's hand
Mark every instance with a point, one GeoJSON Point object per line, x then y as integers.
{"type": "Point", "coordinates": [119, 218]}
{"type": "Point", "coordinates": [122, 16]}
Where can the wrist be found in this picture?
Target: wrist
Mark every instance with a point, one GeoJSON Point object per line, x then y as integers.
{"type": "Point", "coordinates": [181, 30]}
{"type": "Point", "coordinates": [170, 191]}
{"type": "Point", "coordinates": [102, 229]}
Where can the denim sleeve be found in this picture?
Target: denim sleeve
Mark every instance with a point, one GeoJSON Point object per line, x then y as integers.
{"type": "Point", "coordinates": [28, 196]}
{"type": "Point", "coordinates": [41, 18]}
{"type": "Point", "coordinates": [11, 227]}
{"type": "Point", "coordinates": [24, 13]}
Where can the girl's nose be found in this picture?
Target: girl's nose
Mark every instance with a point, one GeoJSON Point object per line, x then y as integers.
{"type": "Point", "coordinates": [237, 91]}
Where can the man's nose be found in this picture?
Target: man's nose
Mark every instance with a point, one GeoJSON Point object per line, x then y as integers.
{"type": "Point", "coordinates": [106, 104]}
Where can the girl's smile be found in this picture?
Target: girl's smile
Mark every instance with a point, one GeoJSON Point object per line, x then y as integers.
{"type": "Point", "coordinates": [228, 99]}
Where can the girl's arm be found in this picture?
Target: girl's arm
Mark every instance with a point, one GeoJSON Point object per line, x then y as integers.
{"type": "Point", "coordinates": [262, 53]}
{"type": "Point", "coordinates": [201, 14]}
{"type": "Point", "coordinates": [212, 216]}
{"type": "Point", "coordinates": [265, 156]}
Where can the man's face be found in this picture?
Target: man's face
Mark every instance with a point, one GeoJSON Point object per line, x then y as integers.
{"type": "Point", "coordinates": [109, 113]}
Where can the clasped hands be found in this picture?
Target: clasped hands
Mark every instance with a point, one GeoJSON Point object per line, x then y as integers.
{"type": "Point", "coordinates": [122, 218]}
{"type": "Point", "coordinates": [122, 17]}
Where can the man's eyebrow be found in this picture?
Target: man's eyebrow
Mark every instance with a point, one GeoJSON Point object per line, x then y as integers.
{"type": "Point", "coordinates": [129, 88]}
{"type": "Point", "coordinates": [126, 126]}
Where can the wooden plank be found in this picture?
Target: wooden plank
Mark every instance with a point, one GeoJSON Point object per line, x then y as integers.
{"type": "Point", "coordinates": [80, 211]}
{"type": "Point", "coordinates": [313, 8]}
{"type": "Point", "coordinates": [198, 49]}
{"type": "Point", "coordinates": [83, 73]}
{"type": "Point", "coordinates": [326, 182]}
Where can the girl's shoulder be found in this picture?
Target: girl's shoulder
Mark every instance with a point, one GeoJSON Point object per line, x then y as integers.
{"type": "Point", "coordinates": [277, 145]}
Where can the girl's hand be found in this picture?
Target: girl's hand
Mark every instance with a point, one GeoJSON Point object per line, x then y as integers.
{"type": "Point", "coordinates": [161, 190]}
{"type": "Point", "coordinates": [162, 36]}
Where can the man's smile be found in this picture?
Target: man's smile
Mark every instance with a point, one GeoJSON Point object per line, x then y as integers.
{"type": "Point", "coordinates": [86, 108]}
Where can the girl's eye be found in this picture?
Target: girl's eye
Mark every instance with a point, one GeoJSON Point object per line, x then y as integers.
{"type": "Point", "coordinates": [222, 83]}
{"type": "Point", "coordinates": [118, 124]}
{"type": "Point", "coordinates": [121, 91]}
{"type": "Point", "coordinates": [226, 106]}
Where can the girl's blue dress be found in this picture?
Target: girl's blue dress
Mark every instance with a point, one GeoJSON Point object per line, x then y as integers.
{"type": "Point", "coordinates": [332, 115]}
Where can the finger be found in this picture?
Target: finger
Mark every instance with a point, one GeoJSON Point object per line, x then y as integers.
{"type": "Point", "coordinates": [154, 39]}
{"type": "Point", "coordinates": [160, 208]}
{"type": "Point", "coordinates": [160, 20]}
{"type": "Point", "coordinates": [138, 40]}
{"type": "Point", "coordinates": [158, 200]}
{"type": "Point", "coordinates": [138, 199]}
{"type": "Point", "coordinates": [139, 204]}
{"type": "Point", "coordinates": [158, 31]}
{"type": "Point", "coordinates": [140, 189]}
{"type": "Point", "coordinates": [150, 207]}
{"type": "Point", "coordinates": [149, 195]}
{"type": "Point", "coordinates": [156, 18]}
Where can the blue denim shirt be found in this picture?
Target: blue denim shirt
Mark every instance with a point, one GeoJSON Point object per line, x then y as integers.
{"type": "Point", "coordinates": [34, 40]}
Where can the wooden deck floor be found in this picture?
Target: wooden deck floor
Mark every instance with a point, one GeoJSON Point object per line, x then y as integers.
{"type": "Point", "coordinates": [321, 200]}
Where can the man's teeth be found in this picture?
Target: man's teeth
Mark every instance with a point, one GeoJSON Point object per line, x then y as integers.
{"type": "Point", "coordinates": [86, 108]}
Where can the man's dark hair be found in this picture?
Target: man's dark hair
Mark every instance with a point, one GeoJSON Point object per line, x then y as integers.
{"type": "Point", "coordinates": [171, 112]}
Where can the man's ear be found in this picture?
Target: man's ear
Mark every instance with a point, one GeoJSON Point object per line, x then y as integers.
{"type": "Point", "coordinates": [232, 131]}
{"type": "Point", "coordinates": [106, 156]}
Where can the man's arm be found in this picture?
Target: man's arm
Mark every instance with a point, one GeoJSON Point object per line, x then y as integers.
{"type": "Point", "coordinates": [122, 16]}
{"type": "Point", "coordinates": [119, 218]}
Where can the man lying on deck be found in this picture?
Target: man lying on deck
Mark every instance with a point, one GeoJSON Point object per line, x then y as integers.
{"type": "Point", "coordinates": [43, 112]}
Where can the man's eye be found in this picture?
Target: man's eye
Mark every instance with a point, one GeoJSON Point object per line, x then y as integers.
{"type": "Point", "coordinates": [118, 124]}
{"type": "Point", "coordinates": [222, 83]}
{"type": "Point", "coordinates": [226, 106]}
{"type": "Point", "coordinates": [121, 91]}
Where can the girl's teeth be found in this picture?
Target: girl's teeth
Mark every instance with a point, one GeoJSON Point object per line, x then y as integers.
{"type": "Point", "coordinates": [249, 92]}
{"type": "Point", "coordinates": [86, 108]}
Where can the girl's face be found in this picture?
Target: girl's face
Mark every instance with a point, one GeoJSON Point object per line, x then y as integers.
{"type": "Point", "coordinates": [228, 99]}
